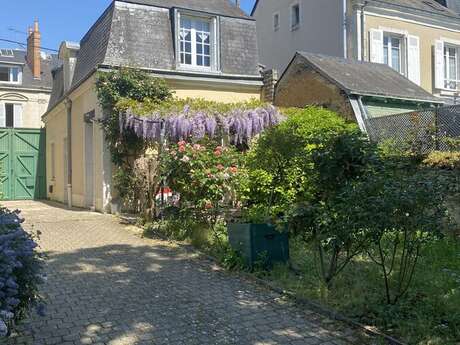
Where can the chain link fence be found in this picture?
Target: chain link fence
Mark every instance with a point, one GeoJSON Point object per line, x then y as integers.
{"type": "Point", "coordinates": [425, 130]}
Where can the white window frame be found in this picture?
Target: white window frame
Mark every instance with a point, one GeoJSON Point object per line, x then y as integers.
{"type": "Point", "coordinates": [276, 26]}
{"type": "Point", "coordinates": [214, 42]}
{"type": "Point", "coordinates": [402, 51]}
{"type": "Point", "coordinates": [448, 78]}
{"type": "Point", "coordinates": [291, 14]}
{"type": "Point", "coordinates": [11, 67]}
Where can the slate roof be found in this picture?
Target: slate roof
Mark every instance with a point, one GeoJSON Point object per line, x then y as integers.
{"type": "Point", "coordinates": [220, 7]}
{"type": "Point", "coordinates": [366, 78]}
{"type": "Point", "coordinates": [427, 11]}
{"type": "Point", "coordinates": [28, 81]}
{"type": "Point", "coordinates": [142, 36]}
{"type": "Point", "coordinates": [453, 5]}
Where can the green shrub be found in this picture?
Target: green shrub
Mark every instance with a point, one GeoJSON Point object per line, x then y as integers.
{"type": "Point", "coordinates": [443, 160]}
{"type": "Point", "coordinates": [280, 163]}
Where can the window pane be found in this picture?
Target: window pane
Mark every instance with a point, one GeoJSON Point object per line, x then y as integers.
{"type": "Point", "coordinates": [188, 59]}
{"type": "Point", "coordinates": [9, 110]}
{"type": "Point", "coordinates": [199, 49]}
{"type": "Point", "coordinates": [199, 60]}
{"type": "Point", "coordinates": [188, 47]}
{"type": "Point", "coordinates": [385, 55]}
{"type": "Point", "coordinates": [295, 15]}
{"type": "Point", "coordinates": [186, 23]}
{"type": "Point", "coordinates": [4, 74]}
{"type": "Point", "coordinates": [395, 42]}
{"type": "Point", "coordinates": [207, 61]}
{"type": "Point", "coordinates": [206, 50]}
{"type": "Point", "coordinates": [395, 59]}
{"type": "Point", "coordinates": [15, 74]}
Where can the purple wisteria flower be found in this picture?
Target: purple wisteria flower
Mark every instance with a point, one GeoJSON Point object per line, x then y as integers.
{"type": "Point", "coordinates": [239, 125]}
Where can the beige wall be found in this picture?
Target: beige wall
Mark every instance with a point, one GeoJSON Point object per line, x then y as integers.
{"type": "Point", "coordinates": [84, 100]}
{"type": "Point", "coordinates": [56, 124]}
{"type": "Point", "coordinates": [238, 94]}
{"type": "Point", "coordinates": [34, 105]}
{"type": "Point", "coordinates": [427, 34]}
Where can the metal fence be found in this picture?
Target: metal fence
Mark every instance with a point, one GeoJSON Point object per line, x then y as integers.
{"type": "Point", "coordinates": [425, 130]}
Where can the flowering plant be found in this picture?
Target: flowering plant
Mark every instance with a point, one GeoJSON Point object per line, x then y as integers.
{"type": "Point", "coordinates": [20, 272]}
{"type": "Point", "coordinates": [204, 177]}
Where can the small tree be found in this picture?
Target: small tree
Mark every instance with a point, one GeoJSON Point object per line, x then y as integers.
{"type": "Point", "coordinates": [401, 210]}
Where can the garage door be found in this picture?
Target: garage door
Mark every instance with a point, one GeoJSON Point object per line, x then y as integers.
{"type": "Point", "coordinates": [22, 163]}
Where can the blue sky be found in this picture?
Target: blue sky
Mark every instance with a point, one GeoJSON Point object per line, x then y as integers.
{"type": "Point", "coordinates": [59, 19]}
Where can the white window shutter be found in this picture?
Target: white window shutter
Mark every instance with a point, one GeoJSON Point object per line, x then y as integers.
{"type": "Point", "coordinates": [18, 116]}
{"type": "Point", "coordinates": [2, 115]}
{"type": "Point", "coordinates": [376, 45]}
{"type": "Point", "coordinates": [413, 59]}
{"type": "Point", "coordinates": [439, 64]}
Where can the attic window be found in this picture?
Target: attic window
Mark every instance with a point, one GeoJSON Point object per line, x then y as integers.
{"type": "Point", "coordinates": [196, 42]}
{"type": "Point", "coordinates": [9, 74]}
{"type": "Point", "coordinates": [6, 52]}
{"type": "Point", "coordinates": [434, 6]}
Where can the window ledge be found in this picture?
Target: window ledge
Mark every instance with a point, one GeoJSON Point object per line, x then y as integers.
{"type": "Point", "coordinates": [183, 68]}
{"type": "Point", "coordinates": [10, 83]}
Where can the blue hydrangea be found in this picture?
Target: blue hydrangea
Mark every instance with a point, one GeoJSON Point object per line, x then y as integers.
{"type": "Point", "coordinates": [20, 271]}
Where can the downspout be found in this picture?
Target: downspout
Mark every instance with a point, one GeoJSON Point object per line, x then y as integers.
{"type": "Point", "coordinates": [362, 32]}
{"type": "Point", "coordinates": [345, 34]}
{"type": "Point", "coordinates": [68, 104]}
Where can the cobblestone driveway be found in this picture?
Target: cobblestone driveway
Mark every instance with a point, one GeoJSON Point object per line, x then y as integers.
{"type": "Point", "coordinates": [106, 285]}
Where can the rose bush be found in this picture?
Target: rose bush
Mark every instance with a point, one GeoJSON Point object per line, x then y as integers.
{"type": "Point", "coordinates": [20, 272]}
{"type": "Point", "coordinates": [203, 176]}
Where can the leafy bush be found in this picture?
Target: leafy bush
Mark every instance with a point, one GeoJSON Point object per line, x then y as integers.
{"type": "Point", "coordinates": [282, 157]}
{"type": "Point", "coordinates": [204, 178]}
{"type": "Point", "coordinates": [126, 147]}
{"type": "Point", "coordinates": [20, 272]}
{"type": "Point", "coordinates": [443, 160]}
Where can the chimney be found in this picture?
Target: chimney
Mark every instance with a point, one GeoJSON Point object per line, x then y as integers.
{"type": "Point", "coordinates": [33, 50]}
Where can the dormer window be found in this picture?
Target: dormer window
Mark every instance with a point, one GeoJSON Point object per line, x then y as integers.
{"type": "Point", "coordinates": [196, 43]}
{"type": "Point", "coordinates": [10, 74]}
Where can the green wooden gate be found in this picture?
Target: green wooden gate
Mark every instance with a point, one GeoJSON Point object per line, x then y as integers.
{"type": "Point", "coordinates": [22, 164]}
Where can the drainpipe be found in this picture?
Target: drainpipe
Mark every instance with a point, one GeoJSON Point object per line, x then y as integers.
{"type": "Point", "coordinates": [345, 46]}
{"type": "Point", "coordinates": [68, 104]}
{"type": "Point", "coordinates": [362, 31]}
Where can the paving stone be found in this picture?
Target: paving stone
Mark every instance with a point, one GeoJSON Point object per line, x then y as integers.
{"type": "Point", "coordinates": [106, 285]}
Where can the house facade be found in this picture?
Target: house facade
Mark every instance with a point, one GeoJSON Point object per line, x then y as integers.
{"type": "Point", "coordinates": [25, 84]}
{"type": "Point", "coordinates": [201, 48]}
{"type": "Point", "coordinates": [418, 38]}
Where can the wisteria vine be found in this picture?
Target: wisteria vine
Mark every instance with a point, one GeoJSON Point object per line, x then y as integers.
{"type": "Point", "coordinates": [239, 125]}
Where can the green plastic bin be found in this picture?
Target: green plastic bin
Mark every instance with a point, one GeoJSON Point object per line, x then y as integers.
{"type": "Point", "coordinates": [256, 241]}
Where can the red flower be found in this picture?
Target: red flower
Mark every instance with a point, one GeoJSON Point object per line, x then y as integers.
{"type": "Point", "coordinates": [234, 170]}
{"type": "Point", "coordinates": [217, 153]}
{"type": "Point", "coordinates": [220, 167]}
{"type": "Point", "coordinates": [181, 143]}
{"type": "Point", "coordinates": [181, 148]}
{"type": "Point", "coordinates": [208, 205]}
